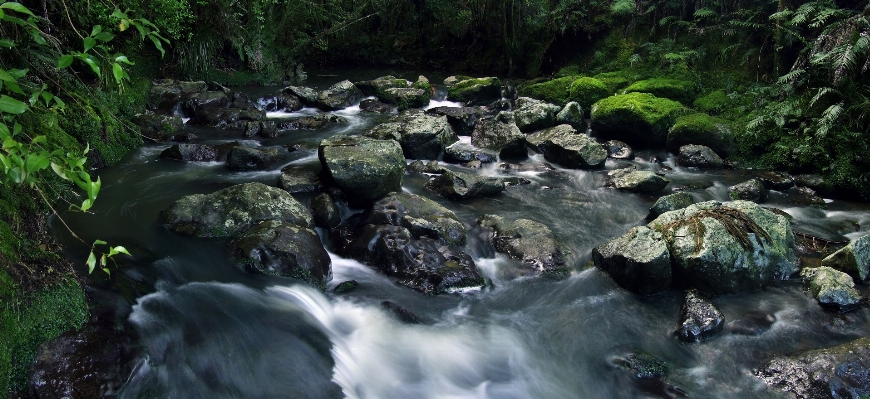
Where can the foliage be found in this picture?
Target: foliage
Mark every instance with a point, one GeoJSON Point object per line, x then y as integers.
{"type": "Point", "coordinates": [714, 102]}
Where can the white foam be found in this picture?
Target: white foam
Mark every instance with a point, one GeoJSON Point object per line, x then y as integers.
{"type": "Point", "coordinates": [436, 103]}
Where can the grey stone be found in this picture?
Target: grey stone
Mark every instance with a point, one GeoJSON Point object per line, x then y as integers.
{"type": "Point", "coordinates": [283, 249]}
{"type": "Point", "coordinates": [247, 158]}
{"type": "Point", "coordinates": [699, 319]}
{"type": "Point", "coordinates": [532, 115]}
{"type": "Point", "coordinates": [459, 185]}
{"type": "Point", "coordinates": [638, 261]}
{"type": "Point", "coordinates": [853, 259]}
{"type": "Point", "coordinates": [638, 181]}
{"type": "Point", "coordinates": [421, 136]}
{"type": "Point", "coordinates": [504, 138]}
{"type": "Point", "coordinates": [750, 190]}
{"type": "Point", "coordinates": [699, 156]}
{"type": "Point", "coordinates": [572, 114]}
{"type": "Point", "coordinates": [364, 169]}
{"type": "Point", "coordinates": [564, 146]}
{"type": "Point", "coordinates": [190, 153]}
{"type": "Point", "coordinates": [831, 288]}
{"type": "Point", "coordinates": [669, 203]}
{"type": "Point", "coordinates": [527, 241]}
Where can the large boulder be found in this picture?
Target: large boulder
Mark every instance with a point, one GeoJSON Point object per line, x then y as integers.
{"type": "Point", "coordinates": [314, 122]}
{"type": "Point", "coordinates": [339, 96]}
{"type": "Point", "coordinates": [421, 136]}
{"type": "Point", "coordinates": [527, 241]}
{"type": "Point", "coordinates": [853, 259]}
{"type": "Point", "coordinates": [701, 129]}
{"type": "Point", "coordinates": [564, 146]}
{"type": "Point", "coordinates": [552, 91]}
{"type": "Point", "coordinates": [587, 91]}
{"type": "Point", "coordinates": [504, 138]}
{"type": "Point", "coordinates": [375, 106]}
{"type": "Point", "coordinates": [669, 203]}
{"type": "Point", "coordinates": [235, 209]}
{"type": "Point", "coordinates": [636, 181]}
{"type": "Point", "coordinates": [475, 91]}
{"type": "Point", "coordinates": [458, 185]}
{"type": "Point", "coordinates": [199, 102]}
{"type": "Point", "coordinates": [678, 90]}
{"type": "Point", "coordinates": [364, 169]}
{"type": "Point", "coordinates": [377, 87]}
{"type": "Point", "coordinates": [572, 114]}
{"type": "Point", "coordinates": [408, 97]}
{"type": "Point", "coordinates": [699, 156]}
{"type": "Point", "coordinates": [639, 119]}
{"type": "Point", "coordinates": [831, 288]}
{"type": "Point", "coordinates": [461, 152]}
{"type": "Point", "coordinates": [165, 95]}
{"type": "Point", "coordinates": [246, 158]}
{"type": "Point", "coordinates": [842, 371]}
{"type": "Point", "coordinates": [283, 249]}
{"type": "Point", "coordinates": [461, 119]}
{"type": "Point", "coordinates": [280, 102]}
{"type": "Point", "coordinates": [420, 215]}
{"type": "Point", "coordinates": [306, 95]}
{"type": "Point", "coordinates": [750, 190]}
{"type": "Point", "coordinates": [699, 319]}
{"type": "Point", "coordinates": [533, 115]}
{"type": "Point", "coordinates": [638, 261]}
{"type": "Point", "coordinates": [727, 248]}
{"type": "Point", "coordinates": [190, 153]}
{"type": "Point", "coordinates": [158, 127]}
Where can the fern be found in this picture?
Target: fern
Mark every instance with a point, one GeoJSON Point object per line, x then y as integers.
{"type": "Point", "coordinates": [821, 93]}
{"type": "Point", "coordinates": [623, 7]}
{"type": "Point", "coordinates": [705, 13]}
{"type": "Point", "coordinates": [829, 117]}
{"type": "Point", "coordinates": [791, 77]}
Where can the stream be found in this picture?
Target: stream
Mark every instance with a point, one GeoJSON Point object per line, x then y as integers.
{"type": "Point", "coordinates": [210, 330]}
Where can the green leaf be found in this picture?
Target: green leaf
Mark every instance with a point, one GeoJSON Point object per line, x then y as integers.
{"type": "Point", "coordinates": [106, 269]}
{"type": "Point", "coordinates": [99, 242]}
{"type": "Point", "coordinates": [118, 14]}
{"type": "Point", "coordinates": [5, 76]}
{"type": "Point", "coordinates": [121, 250]}
{"type": "Point", "coordinates": [157, 44]}
{"type": "Point", "coordinates": [96, 30]}
{"type": "Point", "coordinates": [92, 262]}
{"type": "Point", "coordinates": [17, 128]}
{"type": "Point", "coordinates": [15, 20]}
{"type": "Point", "coordinates": [89, 43]}
{"type": "Point", "coordinates": [38, 140]}
{"type": "Point", "coordinates": [47, 97]}
{"type": "Point", "coordinates": [59, 171]}
{"type": "Point", "coordinates": [118, 72]}
{"type": "Point", "coordinates": [103, 260]}
{"type": "Point", "coordinates": [8, 43]}
{"type": "Point", "coordinates": [123, 25]}
{"type": "Point", "coordinates": [16, 7]}
{"type": "Point", "coordinates": [18, 73]}
{"type": "Point", "coordinates": [123, 58]}
{"type": "Point", "coordinates": [92, 62]}
{"type": "Point", "coordinates": [35, 162]}
{"type": "Point", "coordinates": [105, 36]}
{"type": "Point", "coordinates": [11, 105]}
{"type": "Point", "coordinates": [37, 37]}
{"type": "Point", "coordinates": [13, 87]}
{"type": "Point", "coordinates": [86, 204]}
{"type": "Point", "coordinates": [4, 131]}
{"type": "Point", "coordinates": [65, 61]}
{"type": "Point", "coordinates": [2, 13]}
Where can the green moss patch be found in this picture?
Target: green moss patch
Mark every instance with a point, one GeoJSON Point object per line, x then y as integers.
{"type": "Point", "coordinates": [674, 89]}
{"type": "Point", "coordinates": [570, 70]}
{"type": "Point", "coordinates": [714, 103]}
{"type": "Point", "coordinates": [702, 129]}
{"type": "Point", "coordinates": [554, 91]}
{"type": "Point", "coordinates": [587, 91]}
{"type": "Point", "coordinates": [636, 118]}
{"type": "Point", "coordinates": [614, 81]}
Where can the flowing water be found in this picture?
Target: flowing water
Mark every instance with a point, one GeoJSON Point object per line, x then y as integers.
{"type": "Point", "coordinates": [209, 330]}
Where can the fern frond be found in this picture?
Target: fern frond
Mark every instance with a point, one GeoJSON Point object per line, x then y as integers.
{"type": "Point", "coordinates": [821, 93]}
{"type": "Point", "coordinates": [623, 7]}
{"type": "Point", "coordinates": [666, 20]}
{"type": "Point", "coordinates": [705, 13]}
{"type": "Point", "coordinates": [791, 76]}
{"type": "Point", "coordinates": [782, 15]}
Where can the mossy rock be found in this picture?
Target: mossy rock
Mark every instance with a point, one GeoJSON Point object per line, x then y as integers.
{"type": "Point", "coordinates": [702, 129]}
{"type": "Point", "coordinates": [475, 91]}
{"type": "Point", "coordinates": [714, 103]}
{"type": "Point", "coordinates": [639, 119]}
{"type": "Point", "coordinates": [615, 81]}
{"type": "Point", "coordinates": [554, 91]}
{"type": "Point", "coordinates": [570, 70]}
{"type": "Point", "coordinates": [674, 89]}
{"type": "Point", "coordinates": [587, 91]}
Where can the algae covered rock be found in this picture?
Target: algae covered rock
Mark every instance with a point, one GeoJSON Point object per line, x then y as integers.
{"type": "Point", "coordinates": [527, 241]}
{"type": "Point", "coordinates": [461, 119]}
{"type": "Point", "coordinates": [504, 138]}
{"type": "Point", "coordinates": [674, 89]}
{"type": "Point", "coordinates": [831, 288]}
{"type": "Point", "coordinates": [853, 259]}
{"type": "Point", "coordinates": [283, 249]}
{"type": "Point", "coordinates": [638, 261]}
{"type": "Point", "coordinates": [699, 156]}
{"type": "Point", "coordinates": [637, 181]}
{"type": "Point", "coordinates": [364, 169]}
{"type": "Point", "coordinates": [669, 203]}
{"type": "Point", "coordinates": [639, 119]}
{"type": "Point", "coordinates": [587, 91]}
{"type": "Point", "coordinates": [553, 91]}
{"type": "Point", "coordinates": [190, 153]}
{"type": "Point", "coordinates": [475, 91]}
{"type": "Point", "coordinates": [421, 136]}
{"type": "Point", "coordinates": [699, 319]}
{"type": "Point", "coordinates": [339, 96]}
{"type": "Point", "coordinates": [326, 214]}
{"type": "Point", "coordinates": [564, 146]}
{"type": "Point", "coordinates": [727, 248]}
{"type": "Point", "coordinates": [158, 127]}
{"type": "Point", "coordinates": [701, 129]}
{"type": "Point", "coordinates": [377, 87]}
{"type": "Point", "coordinates": [531, 115]}
{"type": "Point", "coordinates": [459, 185]}
{"type": "Point", "coordinates": [235, 209]}
{"type": "Point", "coordinates": [572, 114]}
{"type": "Point", "coordinates": [420, 215]}
{"type": "Point", "coordinates": [750, 190]}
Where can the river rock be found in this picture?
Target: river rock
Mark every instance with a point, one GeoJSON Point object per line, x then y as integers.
{"type": "Point", "coordinates": [841, 371]}
{"type": "Point", "coordinates": [458, 185]}
{"type": "Point", "coordinates": [755, 249]}
{"type": "Point", "coordinates": [299, 179]}
{"type": "Point", "coordinates": [431, 167]}
{"type": "Point", "coordinates": [420, 215]}
{"type": "Point", "coordinates": [306, 95]}
{"type": "Point", "coordinates": [404, 315]}
{"type": "Point", "coordinates": [572, 114]}
{"type": "Point", "coordinates": [831, 288]}
{"type": "Point", "coordinates": [283, 249]}
{"type": "Point", "coordinates": [376, 107]}
{"type": "Point", "coordinates": [280, 102]}
{"type": "Point", "coordinates": [247, 158]}
{"type": "Point", "coordinates": [364, 169]}
{"type": "Point", "coordinates": [166, 94]}
{"type": "Point", "coordinates": [377, 87]}
{"type": "Point", "coordinates": [853, 259]}
{"type": "Point", "coordinates": [251, 129]}
{"type": "Point", "coordinates": [158, 127]}
{"type": "Point", "coordinates": [817, 183]}
{"type": "Point", "coordinates": [460, 152]}
{"type": "Point", "coordinates": [505, 138]}
{"type": "Point", "coordinates": [779, 181]}
{"type": "Point", "coordinates": [228, 212]}
{"type": "Point", "coordinates": [190, 153]}
{"type": "Point", "coordinates": [226, 118]}
{"type": "Point", "coordinates": [527, 241]}
{"type": "Point", "coordinates": [339, 96]}
{"type": "Point", "coordinates": [532, 115]}
{"type": "Point", "coordinates": [639, 261]}
{"type": "Point", "coordinates": [805, 196]}
{"type": "Point", "coordinates": [669, 203]}
{"type": "Point", "coordinates": [638, 181]}
{"type": "Point", "coordinates": [702, 129]}
{"type": "Point", "coordinates": [474, 91]}
{"type": "Point", "coordinates": [409, 97]}
{"type": "Point", "coordinates": [750, 190]}
{"type": "Point", "coordinates": [197, 103]}
{"type": "Point", "coordinates": [699, 319]}
{"type": "Point", "coordinates": [640, 119]}
{"type": "Point", "coordinates": [564, 146]}
{"type": "Point", "coordinates": [314, 122]}
{"type": "Point", "coordinates": [326, 214]}
{"type": "Point", "coordinates": [618, 150]}
{"type": "Point", "coordinates": [421, 136]}
{"type": "Point", "coordinates": [461, 119]}
{"type": "Point", "coordinates": [699, 156]}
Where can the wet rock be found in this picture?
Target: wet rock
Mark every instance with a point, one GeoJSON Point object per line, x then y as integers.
{"type": "Point", "coordinates": [364, 169]}
{"type": "Point", "coordinates": [750, 190]}
{"type": "Point", "coordinates": [226, 118]}
{"type": "Point", "coordinates": [404, 315]}
{"type": "Point", "coordinates": [643, 365]}
{"type": "Point", "coordinates": [564, 146]}
{"type": "Point", "coordinates": [376, 107]}
{"type": "Point", "coordinates": [669, 203]}
{"type": "Point", "coordinates": [339, 96]}
{"type": "Point", "coordinates": [377, 87]}
{"type": "Point", "coordinates": [280, 102]}
{"type": "Point", "coordinates": [637, 181]}
{"type": "Point", "coordinates": [326, 214]}
{"type": "Point", "coordinates": [251, 129]}
{"type": "Point", "coordinates": [831, 288]}
{"type": "Point", "coordinates": [158, 127]}
{"type": "Point", "coordinates": [504, 138]}
{"type": "Point", "coordinates": [526, 167]}
{"type": "Point", "coordinates": [639, 261]}
{"type": "Point", "coordinates": [200, 102]}
{"type": "Point", "coordinates": [532, 115]}
{"type": "Point", "coordinates": [527, 241]}
{"type": "Point", "coordinates": [458, 185]}
{"type": "Point", "coordinates": [184, 137]}
{"type": "Point", "coordinates": [460, 152]}
{"type": "Point", "coordinates": [727, 248]}
{"type": "Point", "coordinates": [315, 122]}
{"type": "Point", "coordinates": [699, 156]}
{"type": "Point", "coordinates": [228, 212]}
{"type": "Point", "coordinates": [838, 372]}
{"type": "Point", "coordinates": [699, 319]}
{"type": "Point", "coordinates": [283, 249]}
{"type": "Point", "coordinates": [420, 215]}
{"type": "Point", "coordinates": [346, 286]}
{"type": "Point", "coordinates": [247, 158]}
{"type": "Point", "coordinates": [461, 119]}
{"type": "Point", "coordinates": [618, 150]}
{"type": "Point", "coordinates": [421, 136]}
{"type": "Point", "coordinates": [817, 183]}
{"type": "Point", "coordinates": [778, 181]}
{"type": "Point", "coordinates": [474, 91]}
{"type": "Point", "coordinates": [242, 101]}
{"type": "Point", "coordinates": [297, 179]}
{"type": "Point", "coordinates": [409, 97]}
{"type": "Point", "coordinates": [190, 153]}
{"type": "Point", "coordinates": [306, 95]}
{"type": "Point", "coordinates": [165, 95]}
{"type": "Point", "coordinates": [853, 259]}
{"type": "Point", "coordinates": [268, 129]}
{"type": "Point", "coordinates": [805, 196]}
{"type": "Point", "coordinates": [639, 119]}
{"type": "Point", "coordinates": [702, 129]}
{"type": "Point", "coordinates": [572, 114]}
{"type": "Point", "coordinates": [431, 167]}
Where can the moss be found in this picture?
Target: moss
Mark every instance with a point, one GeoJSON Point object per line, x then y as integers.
{"type": "Point", "coordinates": [674, 89]}
{"type": "Point", "coordinates": [554, 91]}
{"type": "Point", "coordinates": [570, 70]}
{"type": "Point", "coordinates": [637, 118]}
{"type": "Point", "coordinates": [587, 91]}
{"type": "Point", "coordinates": [614, 81]}
{"type": "Point", "coordinates": [474, 89]}
{"type": "Point", "coordinates": [714, 103]}
{"type": "Point", "coordinates": [702, 129]}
